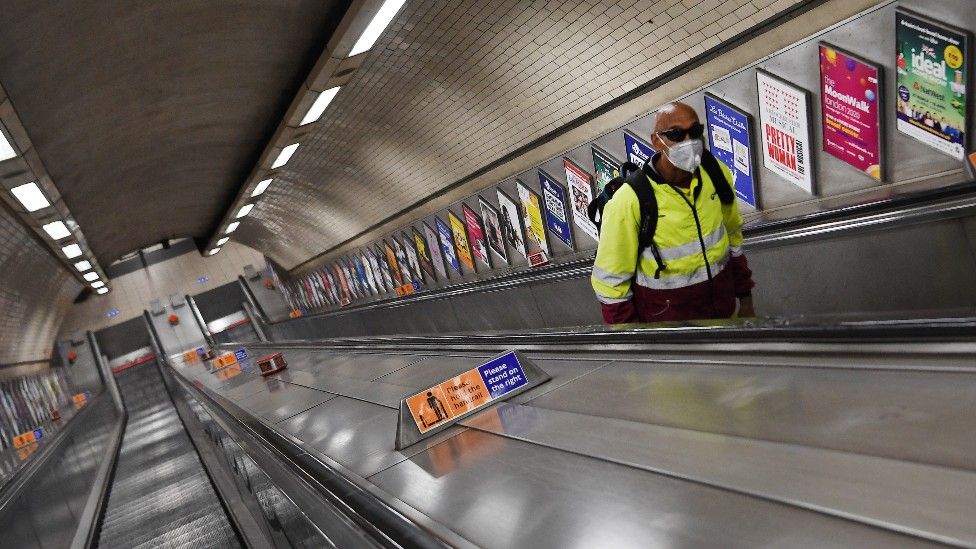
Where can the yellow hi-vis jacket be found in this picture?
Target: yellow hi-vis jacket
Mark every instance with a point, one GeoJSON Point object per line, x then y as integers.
{"type": "Point", "coordinates": [689, 220]}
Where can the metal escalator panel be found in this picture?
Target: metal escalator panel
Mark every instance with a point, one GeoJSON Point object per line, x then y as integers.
{"type": "Point", "coordinates": [161, 495]}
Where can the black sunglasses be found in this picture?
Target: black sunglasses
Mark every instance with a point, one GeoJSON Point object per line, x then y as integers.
{"type": "Point", "coordinates": [678, 134]}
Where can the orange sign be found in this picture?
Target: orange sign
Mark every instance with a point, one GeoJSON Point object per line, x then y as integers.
{"type": "Point", "coordinates": [190, 356]}
{"type": "Point", "coordinates": [224, 360]}
{"type": "Point", "coordinates": [229, 372]}
{"type": "Point", "coordinates": [972, 162]}
{"type": "Point", "coordinates": [406, 289]}
{"type": "Point", "coordinates": [25, 452]}
{"type": "Point", "coordinates": [24, 439]}
{"type": "Point", "coordinates": [80, 399]}
{"type": "Point", "coordinates": [446, 400]}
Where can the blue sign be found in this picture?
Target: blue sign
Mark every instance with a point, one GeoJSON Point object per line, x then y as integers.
{"type": "Point", "coordinates": [447, 245]}
{"type": "Point", "coordinates": [503, 374]}
{"type": "Point", "coordinates": [638, 151]}
{"type": "Point", "coordinates": [730, 140]}
{"type": "Point", "coordinates": [203, 279]}
{"type": "Point", "coordinates": [557, 219]}
{"type": "Point", "coordinates": [113, 313]}
{"type": "Point", "coordinates": [201, 351]}
{"type": "Point", "coordinates": [240, 354]}
{"type": "Point", "coordinates": [38, 433]}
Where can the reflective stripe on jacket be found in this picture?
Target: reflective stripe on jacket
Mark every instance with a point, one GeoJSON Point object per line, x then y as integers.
{"type": "Point", "coordinates": [678, 239]}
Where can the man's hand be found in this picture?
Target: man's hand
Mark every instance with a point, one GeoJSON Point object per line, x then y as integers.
{"type": "Point", "coordinates": [745, 307]}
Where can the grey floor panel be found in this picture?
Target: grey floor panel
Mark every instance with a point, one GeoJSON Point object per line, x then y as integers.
{"type": "Point", "coordinates": [282, 400]}
{"type": "Point", "coordinates": [160, 495]}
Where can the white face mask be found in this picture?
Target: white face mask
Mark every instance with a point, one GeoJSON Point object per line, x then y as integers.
{"type": "Point", "coordinates": [686, 155]}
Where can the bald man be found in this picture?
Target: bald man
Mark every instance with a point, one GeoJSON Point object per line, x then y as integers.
{"type": "Point", "coordinates": [693, 267]}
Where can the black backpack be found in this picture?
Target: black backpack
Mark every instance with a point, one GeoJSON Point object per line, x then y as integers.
{"type": "Point", "coordinates": [594, 209]}
{"type": "Point", "coordinates": [640, 180]}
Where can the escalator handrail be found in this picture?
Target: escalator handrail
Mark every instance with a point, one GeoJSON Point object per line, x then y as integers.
{"type": "Point", "coordinates": [887, 211]}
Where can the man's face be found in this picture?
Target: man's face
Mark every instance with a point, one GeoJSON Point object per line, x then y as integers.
{"type": "Point", "coordinates": [675, 127]}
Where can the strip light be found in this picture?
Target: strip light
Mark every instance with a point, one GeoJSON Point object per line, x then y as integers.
{"type": "Point", "coordinates": [102, 291]}
{"type": "Point", "coordinates": [91, 277]}
{"type": "Point", "coordinates": [231, 227]}
{"type": "Point", "coordinates": [98, 284]}
{"type": "Point", "coordinates": [6, 150]}
{"type": "Point", "coordinates": [376, 27]}
{"type": "Point", "coordinates": [83, 266]}
{"type": "Point", "coordinates": [30, 196]}
{"type": "Point", "coordinates": [245, 209]}
{"type": "Point", "coordinates": [223, 241]}
{"type": "Point", "coordinates": [284, 156]}
{"type": "Point", "coordinates": [319, 106]}
{"type": "Point", "coordinates": [71, 251]}
{"type": "Point", "coordinates": [57, 230]}
{"type": "Point", "coordinates": [213, 251]}
{"type": "Point", "coordinates": [262, 186]}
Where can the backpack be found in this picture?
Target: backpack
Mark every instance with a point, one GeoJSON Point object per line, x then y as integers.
{"type": "Point", "coordinates": [594, 210]}
{"type": "Point", "coordinates": [639, 180]}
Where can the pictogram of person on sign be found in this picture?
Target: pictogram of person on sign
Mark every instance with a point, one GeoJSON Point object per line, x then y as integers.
{"type": "Point", "coordinates": [437, 407]}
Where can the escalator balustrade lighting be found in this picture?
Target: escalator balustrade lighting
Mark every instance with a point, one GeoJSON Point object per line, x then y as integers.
{"type": "Point", "coordinates": [30, 196]}
{"type": "Point", "coordinates": [386, 13]}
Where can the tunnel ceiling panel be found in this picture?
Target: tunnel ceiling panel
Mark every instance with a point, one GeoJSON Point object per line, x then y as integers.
{"type": "Point", "coordinates": [150, 115]}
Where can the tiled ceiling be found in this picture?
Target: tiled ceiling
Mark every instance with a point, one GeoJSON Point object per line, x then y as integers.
{"type": "Point", "coordinates": [149, 115]}
{"type": "Point", "coordinates": [35, 293]}
{"type": "Point", "coordinates": [454, 85]}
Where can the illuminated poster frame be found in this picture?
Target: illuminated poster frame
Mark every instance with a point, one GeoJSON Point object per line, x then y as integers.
{"type": "Point", "coordinates": [785, 130]}
{"type": "Point", "coordinates": [731, 140]}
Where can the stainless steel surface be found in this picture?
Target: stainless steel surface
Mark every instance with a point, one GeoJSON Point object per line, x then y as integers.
{"type": "Point", "coordinates": [201, 323]}
{"type": "Point", "coordinates": [280, 400]}
{"type": "Point", "coordinates": [160, 494]}
{"type": "Point", "coordinates": [507, 493]}
{"type": "Point", "coordinates": [255, 321]}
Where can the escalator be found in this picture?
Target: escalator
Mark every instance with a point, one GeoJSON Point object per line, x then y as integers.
{"type": "Point", "coordinates": [160, 496]}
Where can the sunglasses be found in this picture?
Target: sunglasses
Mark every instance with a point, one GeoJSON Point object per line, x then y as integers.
{"type": "Point", "coordinates": [677, 135]}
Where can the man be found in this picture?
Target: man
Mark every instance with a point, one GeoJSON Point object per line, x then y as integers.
{"type": "Point", "coordinates": [695, 268]}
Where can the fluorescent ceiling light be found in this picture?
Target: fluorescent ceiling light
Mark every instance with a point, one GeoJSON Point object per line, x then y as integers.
{"type": "Point", "coordinates": [223, 241]}
{"type": "Point", "coordinates": [262, 186]}
{"type": "Point", "coordinates": [71, 251]}
{"type": "Point", "coordinates": [30, 196]}
{"type": "Point", "coordinates": [97, 284]}
{"type": "Point", "coordinates": [232, 227]}
{"type": "Point", "coordinates": [284, 156]}
{"type": "Point", "coordinates": [213, 251]}
{"type": "Point", "coordinates": [245, 209]}
{"type": "Point", "coordinates": [319, 106]}
{"type": "Point", "coordinates": [83, 266]}
{"type": "Point", "coordinates": [6, 150]}
{"type": "Point", "coordinates": [102, 291]}
{"type": "Point", "coordinates": [57, 230]}
{"type": "Point", "coordinates": [91, 276]}
{"type": "Point", "coordinates": [377, 26]}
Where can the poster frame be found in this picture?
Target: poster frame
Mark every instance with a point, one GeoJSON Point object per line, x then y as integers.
{"type": "Point", "coordinates": [586, 223]}
{"type": "Point", "coordinates": [753, 146]}
{"type": "Point", "coordinates": [627, 133]}
{"type": "Point", "coordinates": [546, 246]}
{"type": "Point", "coordinates": [808, 96]}
{"type": "Point", "coordinates": [519, 220]}
{"type": "Point", "coordinates": [596, 150]}
{"type": "Point", "coordinates": [479, 221]}
{"type": "Point", "coordinates": [448, 243]}
{"type": "Point", "coordinates": [968, 146]}
{"type": "Point", "coordinates": [487, 206]}
{"type": "Point", "coordinates": [413, 256]}
{"type": "Point", "coordinates": [882, 109]}
{"type": "Point", "coordinates": [425, 259]}
{"type": "Point", "coordinates": [452, 220]}
{"type": "Point", "coordinates": [384, 266]}
{"type": "Point", "coordinates": [439, 256]}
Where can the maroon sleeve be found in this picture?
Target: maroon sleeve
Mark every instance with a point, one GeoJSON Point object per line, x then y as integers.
{"type": "Point", "coordinates": [741, 276]}
{"type": "Point", "coordinates": [619, 313]}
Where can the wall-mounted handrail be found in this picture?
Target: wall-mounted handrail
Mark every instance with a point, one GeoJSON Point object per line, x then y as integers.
{"type": "Point", "coordinates": [252, 299]}
{"type": "Point", "coordinates": [201, 323]}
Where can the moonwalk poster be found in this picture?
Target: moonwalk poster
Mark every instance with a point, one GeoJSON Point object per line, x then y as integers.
{"type": "Point", "coordinates": [476, 234]}
{"type": "Point", "coordinates": [511, 221]}
{"type": "Point", "coordinates": [459, 233]}
{"type": "Point", "coordinates": [493, 229]}
{"type": "Point", "coordinates": [436, 253]}
{"type": "Point", "coordinates": [785, 128]}
{"type": "Point", "coordinates": [932, 75]}
{"type": "Point", "coordinates": [532, 210]}
{"type": "Point", "coordinates": [446, 238]}
{"type": "Point", "coordinates": [581, 194]}
{"type": "Point", "coordinates": [557, 218]}
{"type": "Point", "coordinates": [730, 140]}
{"type": "Point", "coordinates": [850, 93]}
{"type": "Point", "coordinates": [604, 167]}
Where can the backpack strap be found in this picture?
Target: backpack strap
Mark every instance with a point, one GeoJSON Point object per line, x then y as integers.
{"type": "Point", "coordinates": [640, 181]}
{"type": "Point", "coordinates": [723, 187]}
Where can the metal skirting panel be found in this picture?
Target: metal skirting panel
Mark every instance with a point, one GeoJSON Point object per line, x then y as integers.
{"type": "Point", "coordinates": [160, 495]}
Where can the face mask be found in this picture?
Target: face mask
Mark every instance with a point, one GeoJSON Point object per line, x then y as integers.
{"type": "Point", "coordinates": [686, 155]}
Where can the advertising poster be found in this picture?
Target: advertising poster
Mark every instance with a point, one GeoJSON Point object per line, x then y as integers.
{"type": "Point", "coordinates": [409, 246]}
{"type": "Point", "coordinates": [581, 193]}
{"type": "Point", "coordinates": [323, 283]}
{"type": "Point", "coordinates": [436, 255]}
{"type": "Point", "coordinates": [785, 128]}
{"type": "Point", "coordinates": [850, 97]}
{"type": "Point", "coordinates": [344, 296]}
{"type": "Point", "coordinates": [730, 140]}
{"type": "Point", "coordinates": [557, 218]}
{"type": "Point", "coordinates": [460, 234]}
{"type": "Point", "coordinates": [605, 168]}
{"type": "Point", "coordinates": [638, 151]}
{"type": "Point", "coordinates": [493, 229]}
{"type": "Point", "coordinates": [532, 210]}
{"type": "Point", "coordinates": [391, 260]}
{"type": "Point", "coordinates": [386, 271]}
{"type": "Point", "coordinates": [423, 254]}
{"type": "Point", "coordinates": [402, 262]}
{"type": "Point", "coordinates": [363, 271]}
{"type": "Point", "coordinates": [334, 286]}
{"type": "Point", "coordinates": [476, 234]}
{"type": "Point", "coordinates": [931, 82]}
{"type": "Point", "coordinates": [511, 221]}
{"type": "Point", "coordinates": [350, 274]}
{"type": "Point", "coordinates": [447, 244]}
{"type": "Point", "coordinates": [376, 279]}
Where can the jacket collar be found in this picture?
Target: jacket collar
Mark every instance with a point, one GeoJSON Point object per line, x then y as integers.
{"type": "Point", "coordinates": [652, 175]}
